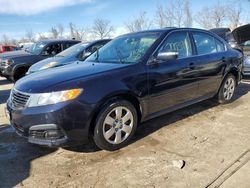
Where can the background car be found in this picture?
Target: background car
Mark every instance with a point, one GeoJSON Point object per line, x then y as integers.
{"type": "Point", "coordinates": [239, 39]}
{"type": "Point", "coordinates": [8, 48]}
{"type": "Point", "coordinates": [228, 36]}
{"type": "Point", "coordinates": [25, 45]}
{"type": "Point", "coordinates": [133, 78]}
{"type": "Point", "coordinates": [14, 65]}
{"type": "Point", "coordinates": [77, 52]}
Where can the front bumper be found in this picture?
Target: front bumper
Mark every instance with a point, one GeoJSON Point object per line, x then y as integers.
{"type": "Point", "coordinates": [62, 124]}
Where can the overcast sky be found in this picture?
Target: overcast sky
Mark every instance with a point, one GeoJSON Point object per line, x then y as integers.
{"type": "Point", "coordinates": [17, 16]}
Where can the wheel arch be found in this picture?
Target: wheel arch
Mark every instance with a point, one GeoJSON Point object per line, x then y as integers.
{"type": "Point", "coordinates": [125, 95]}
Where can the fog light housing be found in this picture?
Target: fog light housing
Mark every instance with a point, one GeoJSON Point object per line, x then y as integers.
{"type": "Point", "coordinates": [47, 131]}
{"type": "Point", "coordinates": [53, 134]}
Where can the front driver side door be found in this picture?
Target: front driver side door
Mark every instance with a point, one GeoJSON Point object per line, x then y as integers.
{"type": "Point", "coordinates": [173, 82]}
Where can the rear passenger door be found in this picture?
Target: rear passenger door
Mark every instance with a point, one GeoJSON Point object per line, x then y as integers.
{"type": "Point", "coordinates": [173, 82]}
{"type": "Point", "coordinates": [210, 61]}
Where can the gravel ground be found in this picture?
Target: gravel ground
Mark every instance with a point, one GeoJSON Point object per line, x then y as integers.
{"type": "Point", "coordinates": [211, 141]}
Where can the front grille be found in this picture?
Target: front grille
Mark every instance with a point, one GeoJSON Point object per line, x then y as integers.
{"type": "Point", "coordinates": [19, 100]}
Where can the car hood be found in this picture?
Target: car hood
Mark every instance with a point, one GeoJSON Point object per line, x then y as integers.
{"type": "Point", "coordinates": [242, 33]}
{"type": "Point", "coordinates": [37, 66]}
{"type": "Point", "coordinates": [44, 81]}
{"type": "Point", "coordinates": [14, 54]}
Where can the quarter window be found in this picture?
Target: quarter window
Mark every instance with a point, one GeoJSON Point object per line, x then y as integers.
{"type": "Point", "coordinates": [178, 42]}
{"type": "Point", "coordinates": [220, 46]}
{"type": "Point", "coordinates": [205, 44]}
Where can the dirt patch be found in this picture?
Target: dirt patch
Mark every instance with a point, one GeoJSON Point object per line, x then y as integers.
{"type": "Point", "coordinates": [207, 136]}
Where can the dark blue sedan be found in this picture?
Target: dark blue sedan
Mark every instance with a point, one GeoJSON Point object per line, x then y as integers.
{"type": "Point", "coordinates": [133, 78]}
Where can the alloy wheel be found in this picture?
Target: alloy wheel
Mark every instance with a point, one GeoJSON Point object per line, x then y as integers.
{"type": "Point", "coordinates": [118, 125]}
{"type": "Point", "coordinates": [229, 88]}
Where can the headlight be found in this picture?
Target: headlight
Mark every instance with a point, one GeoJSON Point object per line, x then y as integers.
{"type": "Point", "coordinates": [53, 98]}
{"type": "Point", "coordinates": [49, 65]}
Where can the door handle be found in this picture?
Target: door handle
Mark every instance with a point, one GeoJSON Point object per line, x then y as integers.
{"type": "Point", "coordinates": [192, 66]}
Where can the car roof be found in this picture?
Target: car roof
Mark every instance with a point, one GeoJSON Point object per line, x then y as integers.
{"type": "Point", "coordinates": [58, 40]}
{"type": "Point", "coordinates": [169, 29]}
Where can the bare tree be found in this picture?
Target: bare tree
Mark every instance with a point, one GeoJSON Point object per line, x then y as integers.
{"type": "Point", "coordinates": [42, 36]}
{"type": "Point", "coordinates": [141, 22]}
{"type": "Point", "coordinates": [203, 18]}
{"type": "Point", "coordinates": [54, 32]}
{"type": "Point", "coordinates": [5, 39]}
{"type": "Point", "coordinates": [77, 33]}
{"type": "Point", "coordinates": [102, 28]}
{"type": "Point", "coordinates": [218, 15]}
{"type": "Point", "coordinates": [60, 30]}
{"type": "Point", "coordinates": [177, 13]}
{"type": "Point", "coordinates": [234, 13]}
{"type": "Point", "coordinates": [188, 18]}
{"type": "Point", "coordinates": [161, 19]}
{"type": "Point", "coordinates": [30, 35]}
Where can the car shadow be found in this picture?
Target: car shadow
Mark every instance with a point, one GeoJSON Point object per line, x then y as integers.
{"type": "Point", "coordinates": [153, 125]}
{"type": "Point", "coordinates": [4, 95]}
{"type": "Point", "coordinates": [16, 156]}
{"type": "Point", "coordinates": [4, 82]}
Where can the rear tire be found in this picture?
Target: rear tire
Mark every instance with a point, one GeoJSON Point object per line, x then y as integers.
{"type": "Point", "coordinates": [227, 89]}
{"type": "Point", "coordinates": [115, 125]}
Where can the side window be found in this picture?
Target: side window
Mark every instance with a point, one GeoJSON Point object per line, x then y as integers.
{"type": "Point", "coordinates": [92, 49]}
{"type": "Point", "coordinates": [178, 42]}
{"type": "Point", "coordinates": [53, 49]}
{"type": "Point", "coordinates": [220, 46]}
{"type": "Point", "coordinates": [7, 48]}
{"type": "Point", "coordinates": [205, 44]}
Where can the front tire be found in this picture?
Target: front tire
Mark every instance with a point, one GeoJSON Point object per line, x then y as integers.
{"type": "Point", "coordinates": [115, 125]}
{"type": "Point", "coordinates": [227, 89]}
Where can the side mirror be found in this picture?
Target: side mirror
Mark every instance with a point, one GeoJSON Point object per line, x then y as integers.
{"type": "Point", "coordinates": [165, 56]}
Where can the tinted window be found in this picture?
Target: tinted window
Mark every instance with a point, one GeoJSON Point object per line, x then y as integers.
{"type": "Point", "coordinates": [178, 42]}
{"type": "Point", "coordinates": [53, 49]}
{"type": "Point", "coordinates": [77, 48]}
{"type": "Point", "coordinates": [67, 45]}
{"type": "Point", "coordinates": [205, 43]}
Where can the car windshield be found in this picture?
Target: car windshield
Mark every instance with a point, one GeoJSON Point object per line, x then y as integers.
{"type": "Point", "coordinates": [73, 50]}
{"type": "Point", "coordinates": [126, 49]}
{"type": "Point", "coordinates": [36, 48]}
